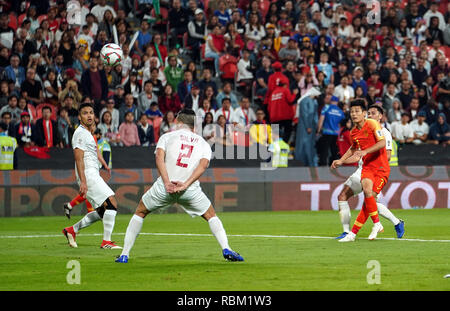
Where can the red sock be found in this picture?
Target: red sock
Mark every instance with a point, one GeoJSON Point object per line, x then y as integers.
{"type": "Point", "coordinates": [361, 219]}
{"type": "Point", "coordinates": [77, 200]}
{"type": "Point", "coordinates": [372, 208]}
{"type": "Point", "coordinates": [89, 207]}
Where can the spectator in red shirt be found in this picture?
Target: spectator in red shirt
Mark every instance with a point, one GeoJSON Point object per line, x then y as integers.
{"type": "Point", "coordinates": [159, 50]}
{"type": "Point", "coordinates": [344, 141]}
{"type": "Point", "coordinates": [215, 46]}
{"type": "Point", "coordinates": [280, 108]}
{"type": "Point", "coordinates": [169, 101]}
{"type": "Point", "coordinates": [276, 78]}
{"type": "Point", "coordinates": [51, 17]}
{"type": "Point", "coordinates": [374, 81]}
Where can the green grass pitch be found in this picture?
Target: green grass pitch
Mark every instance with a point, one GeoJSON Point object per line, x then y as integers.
{"type": "Point", "coordinates": [282, 252]}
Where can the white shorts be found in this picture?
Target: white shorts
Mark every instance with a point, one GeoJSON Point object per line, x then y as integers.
{"type": "Point", "coordinates": [354, 182]}
{"type": "Point", "coordinates": [98, 190]}
{"type": "Point", "coordinates": [192, 200]}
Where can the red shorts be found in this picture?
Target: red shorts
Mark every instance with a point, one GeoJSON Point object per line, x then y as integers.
{"type": "Point", "coordinates": [378, 178]}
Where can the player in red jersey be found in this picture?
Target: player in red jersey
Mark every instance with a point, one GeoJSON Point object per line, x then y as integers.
{"type": "Point", "coordinates": [369, 144]}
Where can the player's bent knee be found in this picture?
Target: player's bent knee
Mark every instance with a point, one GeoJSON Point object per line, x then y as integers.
{"type": "Point", "coordinates": [342, 196]}
{"type": "Point", "coordinates": [210, 213]}
{"type": "Point", "coordinates": [141, 210]}
{"type": "Point", "coordinates": [368, 193]}
{"type": "Point", "coordinates": [345, 194]}
{"type": "Point", "coordinates": [101, 211]}
{"type": "Point", "coordinates": [367, 187]}
{"type": "Point", "coordinates": [110, 204]}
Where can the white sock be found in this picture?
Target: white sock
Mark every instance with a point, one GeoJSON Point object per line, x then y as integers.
{"type": "Point", "coordinates": [386, 213]}
{"type": "Point", "coordinates": [219, 232]}
{"type": "Point", "coordinates": [344, 215]}
{"type": "Point", "coordinates": [86, 221]}
{"type": "Point", "coordinates": [109, 219]}
{"type": "Point", "coordinates": [133, 229]}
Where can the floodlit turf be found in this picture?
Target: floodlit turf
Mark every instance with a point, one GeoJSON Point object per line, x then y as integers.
{"type": "Point", "coordinates": [168, 262]}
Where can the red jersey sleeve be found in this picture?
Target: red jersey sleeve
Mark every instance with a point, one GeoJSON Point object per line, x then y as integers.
{"type": "Point", "coordinates": [375, 127]}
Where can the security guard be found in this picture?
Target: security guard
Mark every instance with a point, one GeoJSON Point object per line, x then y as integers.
{"type": "Point", "coordinates": [280, 153]}
{"type": "Point", "coordinates": [104, 147]}
{"type": "Point", "coordinates": [8, 146]}
{"type": "Point", "coordinates": [393, 161]}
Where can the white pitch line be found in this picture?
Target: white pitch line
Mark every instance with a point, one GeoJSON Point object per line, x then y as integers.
{"type": "Point", "coordinates": [210, 235]}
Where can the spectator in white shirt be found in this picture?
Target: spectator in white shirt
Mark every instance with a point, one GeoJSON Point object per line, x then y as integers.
{"type": "Point", "coordinates": [99, 10]}
{"type": "Point", "coordinates": [420, 128]}
{"type": "Point", "coordinates": [110, 104]}
{"type": "Point", "coordinates": [344, 92]}
{"type": "Point", "coordinates": [401, 130]}
{"type": "Point", "coordinates": [433, 12]}
{"type": "Point", "coordinates": [227, 111]}
{"type": "Point", "coordinates": [205, 108]}
{"type": "Point", "coordinates": [245, 75]}
{"type": "Point", "coordinates": [244, 115]}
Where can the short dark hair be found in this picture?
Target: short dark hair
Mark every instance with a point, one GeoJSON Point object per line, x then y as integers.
{"type": "Point", "coordinates": [226, 98]}
{"type": "Point", "coordinates": [85, 98]}
{"type": "Point", "coordinates": [187, 117]}
{"type": "Point", "coordinates": [380, 110]}
{"type": "Point", "coordinates": [359, 103]}
{"type": "Point", "coordinates": [84, 105]}
{"type": "Point", "coordinates": [13, 95]}
{"type": "Point", "coordinates": [62, 109]}
{"type": "Point", "coordinates": [47, 107]}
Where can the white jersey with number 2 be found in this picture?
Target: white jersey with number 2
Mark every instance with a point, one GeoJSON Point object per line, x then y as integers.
{"type": "Point", "coordinates": [184, 150]}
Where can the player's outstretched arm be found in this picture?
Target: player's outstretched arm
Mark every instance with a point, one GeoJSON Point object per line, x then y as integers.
{"type": "Point", "coordinates": [377, 146]}
{"type": "Point", "coordinates": [199, 170]}
{"type": "Point", "coordinates": [352, 159]}
{"type": "Point", "coordinates": [348, 155]}
{"type": "Point", "coordinates": [162, 170]}
{"type": "Point", "coordinates": [79, 161]}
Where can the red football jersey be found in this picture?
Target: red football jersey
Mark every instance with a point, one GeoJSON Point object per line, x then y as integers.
{"type": "Point", "coordinates": [367, 136]}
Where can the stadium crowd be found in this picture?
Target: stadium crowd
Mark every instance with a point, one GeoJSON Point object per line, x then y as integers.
{"type": "Point", "coordinates": [241, 65]}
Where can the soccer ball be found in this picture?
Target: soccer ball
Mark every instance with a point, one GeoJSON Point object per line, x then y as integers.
{"type": "Point", "coordinates": [111, 54]}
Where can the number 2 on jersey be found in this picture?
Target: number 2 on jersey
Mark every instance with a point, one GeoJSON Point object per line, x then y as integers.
{"type": "Point", "coordinates": [184, 155]}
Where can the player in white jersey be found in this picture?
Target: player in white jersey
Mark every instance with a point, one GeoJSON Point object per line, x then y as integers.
{"type": "Point", "coordinates": [92, 186]}
{"type": "Point", "coordinates": [353, 187]}
{"type": "Point", "coordinates": [181, 158]}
